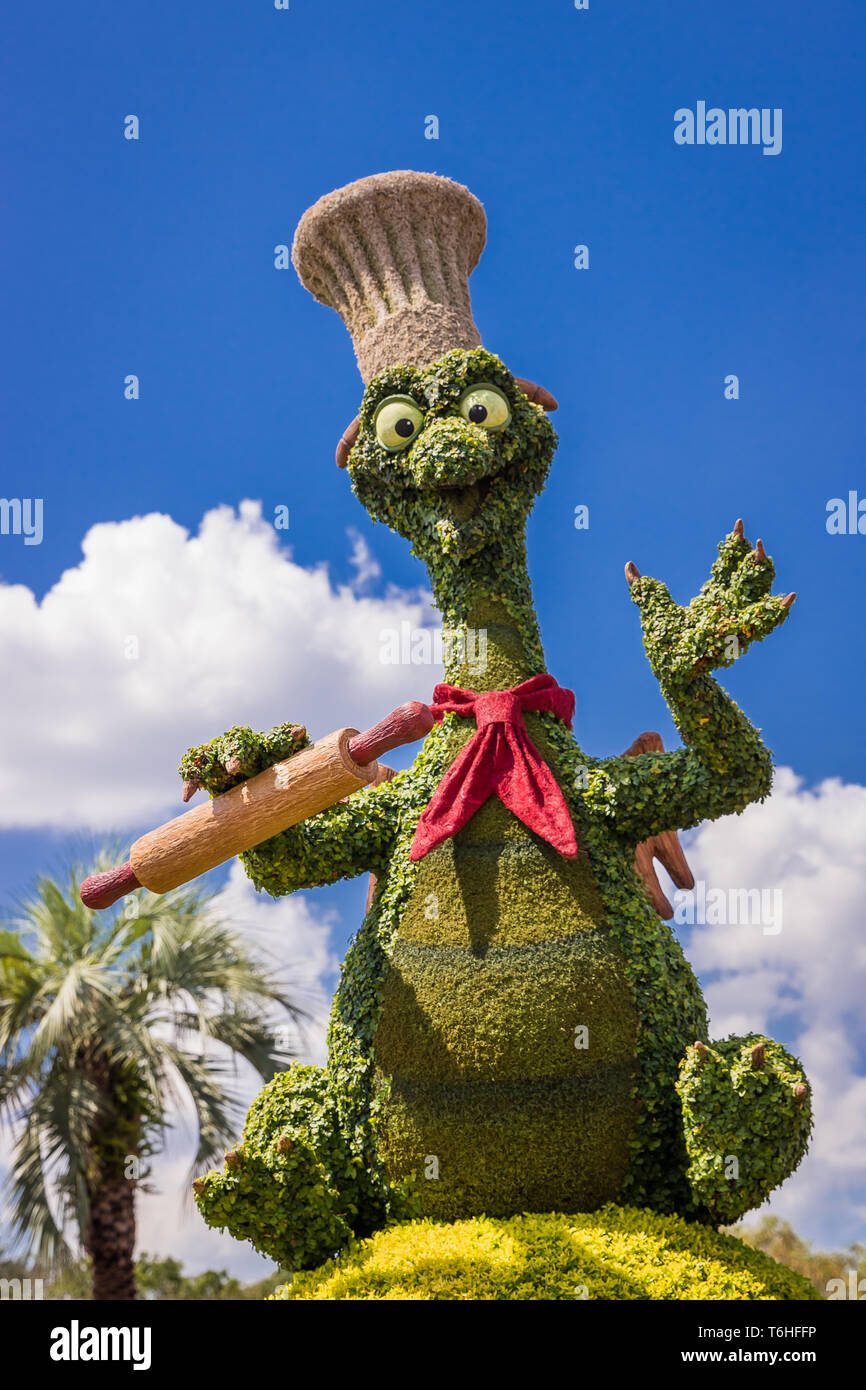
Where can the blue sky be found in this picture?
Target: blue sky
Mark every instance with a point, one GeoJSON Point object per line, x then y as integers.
{"type": "Point", "coordinates": [156, 257]}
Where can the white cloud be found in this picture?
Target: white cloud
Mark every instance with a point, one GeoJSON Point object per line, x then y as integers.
{"type": "Point", "coordinates": [169, 1224]}
{"type": "Point", "coordinates": [804, 985]}
{"type": "Point", "coordinates": [366, 566]}
{"type": "Point", "coordinates": [295, 939]}
{"type": "Point", "coordinates": [292, 936]}
{"type": "Point", "coordinates": [228, 629]}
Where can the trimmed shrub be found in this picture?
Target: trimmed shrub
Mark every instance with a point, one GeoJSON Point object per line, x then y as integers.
{"type": "Point", "coordinates": [619, 1253]}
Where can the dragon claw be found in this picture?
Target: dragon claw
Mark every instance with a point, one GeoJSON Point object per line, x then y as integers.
{"type": "Point", "coordinates": [232, 765]}
{"type": "Point", "coordinates": [190, 787]}
{"type": "Point", "coordinates": [786, 602]}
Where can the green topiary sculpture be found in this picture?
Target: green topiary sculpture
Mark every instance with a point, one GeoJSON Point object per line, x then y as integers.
{"type": "Point", "coordinates": [515, 1029]}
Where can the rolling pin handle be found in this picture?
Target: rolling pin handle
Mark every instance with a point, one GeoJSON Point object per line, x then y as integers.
{"type": "Point", "coordinates": [101, 890]}
{"type": "Point", "coordinates": [403, 725]}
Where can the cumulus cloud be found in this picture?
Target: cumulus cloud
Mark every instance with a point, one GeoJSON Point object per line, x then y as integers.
{"type": "Point", "coordinates": [159, 639]}
{"type": "Point", "coordinates": [804, 984]}
{"type": "Point", "coordinates": [293, 936]}
{"type": "Point", "coordinates": [168, 1224]}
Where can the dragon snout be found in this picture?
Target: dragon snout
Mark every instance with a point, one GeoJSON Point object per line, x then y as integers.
{"type": "Point", "coordinates": [452, 453]}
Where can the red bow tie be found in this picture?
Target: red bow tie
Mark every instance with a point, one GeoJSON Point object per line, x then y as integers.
{"type": "Point", "coordinates": [500, 758]}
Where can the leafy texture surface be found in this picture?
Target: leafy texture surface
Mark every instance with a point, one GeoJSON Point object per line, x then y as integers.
{"type": "Point", "coordinates": [514, 1030]}
{"type": "Point", "coordinates": [616, 1253]}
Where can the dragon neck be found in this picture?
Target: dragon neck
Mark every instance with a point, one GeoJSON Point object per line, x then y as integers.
{"type": "Point", "coordinates": [491, 636]}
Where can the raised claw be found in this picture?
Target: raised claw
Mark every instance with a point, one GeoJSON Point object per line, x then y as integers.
{"type": "Point", "coordinates": [632, 572]}
{"type": "Point", "coordinates": [739, 530]}
{"type": "Point", "coordinates": [760, 552]}
{"type": "Point", "coordinates": [786, 602]}
{"type": "Point", "coordinates": [190, 787]}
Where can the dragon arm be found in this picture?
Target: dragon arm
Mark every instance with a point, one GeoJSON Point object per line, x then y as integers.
{"type": "Point", "coordinates": [724, 765]}
{"type": "Point", "coordinates": [353, 837]}
{"type": "Point", "coordinates": [723, 768]}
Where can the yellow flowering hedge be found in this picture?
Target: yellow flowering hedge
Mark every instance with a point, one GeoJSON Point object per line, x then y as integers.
{"type": "Point", "coordinates": [613, 1253]}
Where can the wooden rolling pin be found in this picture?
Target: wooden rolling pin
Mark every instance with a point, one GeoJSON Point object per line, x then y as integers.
{"type": "Point", "coordinates": [282, 795]}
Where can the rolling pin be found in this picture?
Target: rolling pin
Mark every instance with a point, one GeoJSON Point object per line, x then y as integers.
{"type": "Point", "coordinates": [282, 795]}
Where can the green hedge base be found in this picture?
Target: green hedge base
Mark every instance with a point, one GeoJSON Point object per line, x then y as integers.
{"type": "Point", "coordinates": [613, 1253]}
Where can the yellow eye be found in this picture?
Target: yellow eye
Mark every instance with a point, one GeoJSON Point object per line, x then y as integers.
{"type": "Point", "coordinates": [486, 406]}
{"type": "Point", "coordinates": [397, 422]}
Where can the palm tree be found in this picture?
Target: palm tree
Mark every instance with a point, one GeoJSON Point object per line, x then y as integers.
{"type": "Point", "coordinates": [100, 1014]}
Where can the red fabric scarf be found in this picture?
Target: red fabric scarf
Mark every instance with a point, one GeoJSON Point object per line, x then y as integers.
{"type": "Point", "coordinates": [500, 758]}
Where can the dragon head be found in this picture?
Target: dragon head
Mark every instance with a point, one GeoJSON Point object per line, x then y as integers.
{"type": "Point", "coordinates": [451, 455]}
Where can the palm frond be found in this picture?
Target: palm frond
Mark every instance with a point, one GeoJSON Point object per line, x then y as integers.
{"type": "Point", "coordinates": [122, 1018]}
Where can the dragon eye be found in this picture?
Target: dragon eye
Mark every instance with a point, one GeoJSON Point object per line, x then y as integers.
{"type": "Point", "coordinates": [486, 406]}
{"type": "Point", "coordinates": [397, 422]}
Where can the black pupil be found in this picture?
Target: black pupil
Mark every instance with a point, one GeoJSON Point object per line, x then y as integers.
{"type": "Point", "coordinates": [477, 413]}
{"type": "Point", "coordinates": [404, 427]}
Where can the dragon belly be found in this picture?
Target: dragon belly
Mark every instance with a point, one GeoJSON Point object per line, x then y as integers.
{"type": "Point", "coordinates": [505, 1049]}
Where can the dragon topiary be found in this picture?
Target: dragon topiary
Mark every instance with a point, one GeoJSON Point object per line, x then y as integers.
{"type": "Point", "coordinates": [515, 1029]}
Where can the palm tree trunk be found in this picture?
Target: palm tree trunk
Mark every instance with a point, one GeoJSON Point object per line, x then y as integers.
{"type": "Point", "coordinates": [110, 1238]}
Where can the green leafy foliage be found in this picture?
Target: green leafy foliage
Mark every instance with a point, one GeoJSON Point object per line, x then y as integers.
{"type": "Point", "coordinates": [746, 1125]}
{"type": "Point", "coordinates": [618, 1253]}
{"type": "Point", "coordinates": [255, 752]}
{"type": "Point", "coordinates": [96, 1015]}
{"type": "Point", "coordinates": [293, 1187]}
{"type": "Point", "coordinates": [436, 492]}
{"type": "Point", "coordinates": [452, 1027]}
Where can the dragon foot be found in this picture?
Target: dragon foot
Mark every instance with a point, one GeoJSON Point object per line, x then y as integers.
{"type": "Point", "coordinates": [747, 1117]}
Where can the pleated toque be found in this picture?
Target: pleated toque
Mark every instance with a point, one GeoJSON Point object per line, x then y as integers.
{"type": "Point", "coordinates": [393, 253]}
